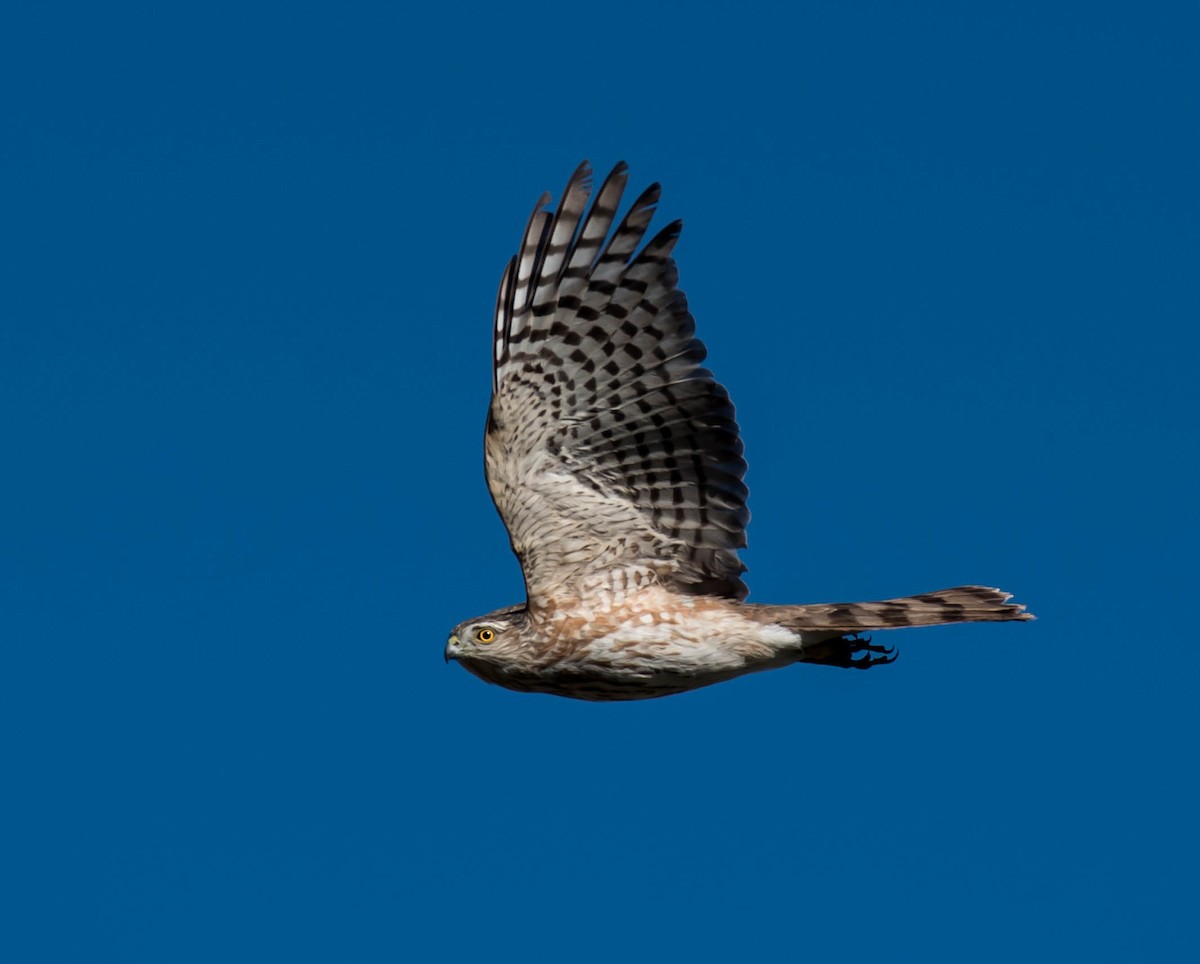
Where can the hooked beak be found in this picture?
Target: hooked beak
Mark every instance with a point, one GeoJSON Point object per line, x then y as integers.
{"type": "Point", "coordinates": [451, 648]}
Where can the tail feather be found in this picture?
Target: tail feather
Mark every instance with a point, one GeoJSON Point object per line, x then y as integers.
{"type": "Point", "coordinates": [962, 604]}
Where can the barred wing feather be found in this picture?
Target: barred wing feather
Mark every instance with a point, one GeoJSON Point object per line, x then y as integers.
{"type": "Point", "coordinates": [612, 455]}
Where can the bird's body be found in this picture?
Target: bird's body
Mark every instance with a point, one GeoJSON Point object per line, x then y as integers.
{"type": "Point", "coordinates": [615, 462]}
{"type": "Point", "coordinates": [635, 646]}
{"type": "Point", "coordinates": [621, 645]}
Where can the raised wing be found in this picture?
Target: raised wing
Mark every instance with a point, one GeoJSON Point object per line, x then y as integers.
{"type": "Point", "coordinates": [612, 455]}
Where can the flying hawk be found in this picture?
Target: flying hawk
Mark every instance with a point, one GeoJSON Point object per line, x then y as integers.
{"type": "Point", "coordinates": [614, 460]}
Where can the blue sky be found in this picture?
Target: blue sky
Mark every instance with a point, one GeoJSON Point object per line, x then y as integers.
{"type": "Point", "coordinates": [944, 257]}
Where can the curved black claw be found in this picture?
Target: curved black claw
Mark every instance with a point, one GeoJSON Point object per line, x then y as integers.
{"type": "Point", "coordinates": [873, 655]}
{"type": "Point", "coordinates": [850, 652]}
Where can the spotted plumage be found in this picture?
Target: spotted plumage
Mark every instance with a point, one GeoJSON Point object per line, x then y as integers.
{"type": "Point", "coordinates": [614, 459]}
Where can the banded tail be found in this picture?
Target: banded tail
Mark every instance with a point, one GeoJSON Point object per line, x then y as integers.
{"type": "Point", "coordinates": [962, 604]}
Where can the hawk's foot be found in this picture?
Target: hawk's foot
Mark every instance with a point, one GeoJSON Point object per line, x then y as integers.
{"type": "Point", "coordinates": [849, 652]}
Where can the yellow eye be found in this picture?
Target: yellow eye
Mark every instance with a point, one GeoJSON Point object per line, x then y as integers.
{"type": "Point", "coordinates": [485, 635]}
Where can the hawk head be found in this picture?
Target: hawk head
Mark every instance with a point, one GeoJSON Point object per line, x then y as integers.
{"type": "Point", "coordinates": [488, 640]}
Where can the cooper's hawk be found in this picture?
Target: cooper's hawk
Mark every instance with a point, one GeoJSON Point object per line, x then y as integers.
{"type": "Point", "coordinates": [614, 459]}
